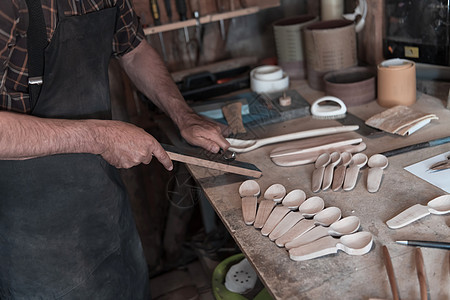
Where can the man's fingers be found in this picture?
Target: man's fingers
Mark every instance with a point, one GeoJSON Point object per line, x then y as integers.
{"type": "Point", "coordinates": [162, 156]}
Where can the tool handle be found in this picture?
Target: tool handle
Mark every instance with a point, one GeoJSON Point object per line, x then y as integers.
{"type": "Point", "coordinates": [390, 272]}
{"type": "Point", "coordinates": [421, 274]}
{"type": "Point", "coordinates": [181, 9]}
{"type": "Point", "coordinates": [195, 6]}
{"type": "Point", "coordinates": [168, 9]}
{"type": "Point", "coordinates": [155, 11]}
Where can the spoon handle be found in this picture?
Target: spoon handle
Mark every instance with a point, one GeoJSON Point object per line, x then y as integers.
{"type": "Point", "coordinates": [408, 216]}
{"type": "Point", "coordinates": [306, 134]}
{"type": "Point", "coordinates": [287, 223]}
{"type": "Point", "coordinates": [310, 236]}
{"type": "Point", "coordinates": [327, 177]}
{"type": "Point", "coordinates": [374, 179]}
{"type": "Point", "coordinates": [351, 176]}
{"type": "Point", "coordinates": [296, 231]}
{"type": "Point", "coordinates": [338, 178]}
{"type": "Point", "coordinates": [275, 217]}
{"type": "Point", "coordinates": [320, 247]}
{"type": "Point", "coordinates": [317, 177]}
{"type": "Point", "coordinates": [264, 209]}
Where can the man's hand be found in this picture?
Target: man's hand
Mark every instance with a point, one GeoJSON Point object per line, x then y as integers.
{"type": "Point", "coordinates": [199, 131]}
{"type": "Point", "coordinates": [124, 145]}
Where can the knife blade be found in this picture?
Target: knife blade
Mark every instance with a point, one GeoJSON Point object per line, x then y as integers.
{"type": "Point", "coordinates": [196, 158]}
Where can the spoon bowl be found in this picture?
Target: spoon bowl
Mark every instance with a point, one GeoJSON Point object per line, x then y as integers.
{"type": "Point", "coordinates": [294, 198]}
{"type": "Point", "coordinates": [249, 188]}
{"type": "Point", "coordinates": [346, 225]}
{"type": "Point", "coordinates": [440, 205]}
{"type": "Point", "coordinates": [311, 206]}
{"type": "Point", "coordinates": [275, 192]}
{"type": "Point", "coordinates": [378, 161]}
{"type": "Point", "coordinates": [327, 216]}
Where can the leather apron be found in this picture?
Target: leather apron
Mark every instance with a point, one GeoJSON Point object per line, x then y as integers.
{"type": "Point", "coordinates": [66, 228]}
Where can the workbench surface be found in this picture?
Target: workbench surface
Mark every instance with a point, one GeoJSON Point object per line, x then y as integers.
{"type": "Point", "coordinates": [342, 276]}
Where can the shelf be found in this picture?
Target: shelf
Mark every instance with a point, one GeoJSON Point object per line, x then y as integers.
{"type": "Point", "coordinates": [203, 20]}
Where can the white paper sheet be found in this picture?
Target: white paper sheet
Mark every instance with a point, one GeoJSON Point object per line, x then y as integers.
{"type": "Point", "coordinates": [441, 179]}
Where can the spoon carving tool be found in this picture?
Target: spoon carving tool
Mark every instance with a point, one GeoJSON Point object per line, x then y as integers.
{"type": "Point", "coordinates": [197, 159]}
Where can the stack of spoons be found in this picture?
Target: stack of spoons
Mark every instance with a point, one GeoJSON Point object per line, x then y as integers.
{"type": "Point", "coordinates": [300, 224]}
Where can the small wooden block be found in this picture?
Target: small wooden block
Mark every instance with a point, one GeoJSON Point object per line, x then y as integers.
{"type": "Point", "coordinates": [249, 205]}
{"type": "Point", "coordinates": [232, 113]}
{"type": "Point", "coordinates": [264, 210]}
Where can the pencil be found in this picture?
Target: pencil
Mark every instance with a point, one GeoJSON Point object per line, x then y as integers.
{"type": "Point", "coordinates": [429, 244]}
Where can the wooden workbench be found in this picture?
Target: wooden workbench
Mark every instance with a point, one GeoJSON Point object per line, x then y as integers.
{"type": "Point", "coordinates": [341, 276]}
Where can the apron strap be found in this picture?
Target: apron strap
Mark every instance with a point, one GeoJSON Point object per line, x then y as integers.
{"type": "Point", "coordinates": [36, 43]}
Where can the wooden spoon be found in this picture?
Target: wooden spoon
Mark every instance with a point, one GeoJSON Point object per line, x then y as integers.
{"type": "Point", "coordinates": [377, 163]}
{"type": "Point", "coordinates": [308, 209]}
{"type": "Point", "coordinates": [358, 243]}
{"type": "Point", "coordinates": [341, 227]}
{"type": "Point", "coordinates": [438, 206]}
{"type": "Point", "coordinates": [339, 173]}
{"type": "Point", "coordinates": [248, 145]}
{"type": "Point", "coordinates": [292, 201]}
{"type": "Point", "coordinates": [317, 176]}
{"type": "Point", "coordinates": [351, 176]}
{"type": "Point", "coordinates": [274, 194]}
{"type": "Point", "coordinates": [329, 170]}
{"type": "Point", "coordinates": [324, 218]}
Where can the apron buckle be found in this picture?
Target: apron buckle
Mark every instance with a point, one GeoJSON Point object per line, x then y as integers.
{"type": "Point", "coordinates": [35, 80]}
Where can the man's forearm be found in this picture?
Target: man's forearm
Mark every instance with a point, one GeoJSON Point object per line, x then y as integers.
{"type": "Point", "coordinates": [23, 136]}
{"type": "Point", "coordinates": [148, 72]}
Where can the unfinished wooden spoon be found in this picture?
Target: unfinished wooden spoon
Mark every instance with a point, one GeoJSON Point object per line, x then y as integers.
{"type": "Point", "coordinates": [329, 170]}
{"type": "Point", "coordinates": [358, 243]}
{"type": "Point", "coordinates": [310, 157]}
{"type": "Point", "coordinates": [317, 176]}
{"type": "Point", "coordinates": [308, 209]}
{"type": "Point", "coordinates": [238, 145]}
{"type": "Point", "coordinates": [339, 173]}
{"type": "Point", "coordinates": [438, 206]}
{"type": "Point", "coordinates": [249, 188]}
{"type": "Point", "coordinates": [324, 218]}
{"type": "Point", "coordinates": [341, 227]}
{"type": "Point", "coordinates": [377, 163]}
{"type": "Point", "coordinates": [275, 192]}
{"type": "Point", "coordinates": [352, 172]}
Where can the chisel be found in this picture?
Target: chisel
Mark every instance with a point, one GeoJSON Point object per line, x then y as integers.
{"type": "Point", "coordinates": [157, 19]}
{"type": "Point", "coordinates": [182, 11]}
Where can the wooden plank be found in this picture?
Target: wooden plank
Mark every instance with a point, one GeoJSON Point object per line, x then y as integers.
{"type": "Point", "coordinates": [235, 167]}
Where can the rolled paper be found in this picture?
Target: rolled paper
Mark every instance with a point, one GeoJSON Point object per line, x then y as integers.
{"type": "Point", "coordinates": [396, 82]}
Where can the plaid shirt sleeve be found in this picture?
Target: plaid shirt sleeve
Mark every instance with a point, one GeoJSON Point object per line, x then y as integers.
{"type": "Point", "coordinates": [129, 32]}
{"type": "Point", "coordinates": [13, 69]}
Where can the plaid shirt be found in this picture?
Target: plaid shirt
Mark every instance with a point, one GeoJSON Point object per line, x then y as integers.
{"type": "Point", "coordinates": [13, 46]}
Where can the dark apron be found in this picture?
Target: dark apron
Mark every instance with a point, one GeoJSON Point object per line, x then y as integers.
{"type": "Point", "coordinates": [66, 228]}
